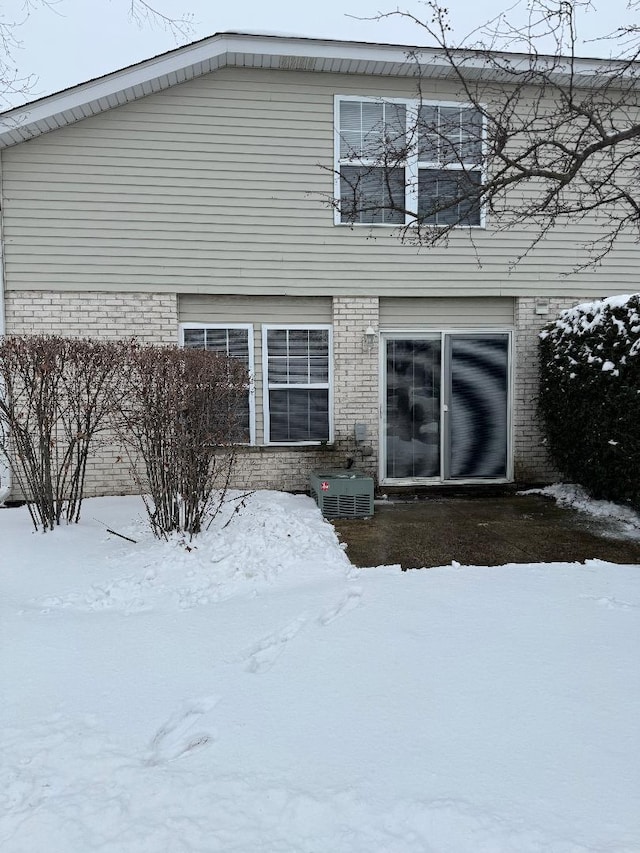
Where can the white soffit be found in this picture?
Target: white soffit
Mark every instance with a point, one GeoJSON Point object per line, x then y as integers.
{"type": "Point", "coordinates": [247, 51]}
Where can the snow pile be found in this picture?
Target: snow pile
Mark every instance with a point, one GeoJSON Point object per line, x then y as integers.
{"type": "Point", "coordinates": [257, 693]}
{"type": "Point", "coordinates": [238, 555]}
{"type": "Point", "coordinates": [574, 496]}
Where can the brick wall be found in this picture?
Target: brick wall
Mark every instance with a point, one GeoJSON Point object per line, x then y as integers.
{"type": "Point", "coordinates": [150, 317]}
{"type": "Point", "coordinates": [356, 398]}
{"type": "Point", "coordinates": [530, 457]}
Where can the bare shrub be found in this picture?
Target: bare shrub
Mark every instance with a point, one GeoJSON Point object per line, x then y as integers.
{"type": "Point", "coordinates": [181, 415]}
{"type": "Point", "coordinates": [56, 395]}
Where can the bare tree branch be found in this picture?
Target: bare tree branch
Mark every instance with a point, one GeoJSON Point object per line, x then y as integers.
{"type": "Point", "coordinates": [140, 12]}
{"type": "Point", "coordinates": [147, 14]}
{"type": "Point", "coordinates": [559, 135]}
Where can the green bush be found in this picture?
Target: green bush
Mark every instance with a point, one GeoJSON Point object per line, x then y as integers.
{"type": "Point", "coordinates": [590, 396]}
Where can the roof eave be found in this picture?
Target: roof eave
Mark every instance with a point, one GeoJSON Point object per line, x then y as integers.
{"type": "Point", "coordinates": [235, 49]}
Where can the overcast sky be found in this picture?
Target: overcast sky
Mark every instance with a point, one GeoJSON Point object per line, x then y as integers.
{"type": "Point", "coordinates": [76, 40]}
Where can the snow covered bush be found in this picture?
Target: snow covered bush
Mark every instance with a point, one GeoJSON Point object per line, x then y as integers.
{"type": "Point", "coordinates": [56, 395]}
{"type": "Point", "coordinates": [590, 396]}
{"type": "Point", "coordinates": [181, 415]}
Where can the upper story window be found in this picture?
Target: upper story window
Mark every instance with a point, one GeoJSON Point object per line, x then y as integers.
{"type": "Point", "coordinates": [398, 161]}
{"type": "Point", "coordinates": [372, 143]}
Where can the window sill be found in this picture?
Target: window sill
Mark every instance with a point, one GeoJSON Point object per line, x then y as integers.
{"type": "Point", "coordinates": [376, 225]}
{"type": "Point", "coordinates": [298, 447]}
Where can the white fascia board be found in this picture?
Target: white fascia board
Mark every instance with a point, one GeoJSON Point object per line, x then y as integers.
{"type": "Point", "coordinates": [183, 58]}
{"type": "Point", "coordinates": [214, 51]}
{"type": "Point", "coordinates": [105, 87]}
{"type": "Point", "coordinates": [191, 55]}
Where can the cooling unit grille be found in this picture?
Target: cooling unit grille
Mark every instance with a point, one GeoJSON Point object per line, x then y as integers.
{"type": "Point", "coordinates": [342, 493]}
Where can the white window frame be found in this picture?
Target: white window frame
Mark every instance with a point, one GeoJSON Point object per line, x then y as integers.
{"type": "Point", "coordinates": [250, 335]}
{"type": "Point", "coordinates": [412, 164]}
{"type": "Point", "coordinates": [280, 386]}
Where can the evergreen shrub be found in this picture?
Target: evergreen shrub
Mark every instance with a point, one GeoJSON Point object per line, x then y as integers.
{"type": "Point", "coordinates": [590, 396]}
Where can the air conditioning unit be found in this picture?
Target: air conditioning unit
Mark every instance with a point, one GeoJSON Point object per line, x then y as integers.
{"type": "Point", "coordinates": [342, 493]}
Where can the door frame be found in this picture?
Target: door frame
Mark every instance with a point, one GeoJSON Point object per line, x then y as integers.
{"type": "Point", "coordinates": [441, 334]}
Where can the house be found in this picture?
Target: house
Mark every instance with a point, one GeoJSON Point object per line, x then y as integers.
{"type": "Point", "coordinates": [188, 199]}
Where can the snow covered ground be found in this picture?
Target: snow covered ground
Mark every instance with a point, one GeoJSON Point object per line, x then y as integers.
{"type": "Point", "coordinates": [255, 693]}
{"type": "Point", "coordinates": [624, 522]}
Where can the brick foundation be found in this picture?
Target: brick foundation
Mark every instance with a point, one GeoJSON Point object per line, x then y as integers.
{"type": "Point", "coordinates": [152, 318]}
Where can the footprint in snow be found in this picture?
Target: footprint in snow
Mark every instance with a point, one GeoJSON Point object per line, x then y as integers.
{"type": "Point", "coordinates": [349, 602]}
{"type": "Point", "coordinates": [265, 653]}
{"type": "Point", "coordinates": [175, 737]}
{"type": "Point", "coordinates": [611, 603]}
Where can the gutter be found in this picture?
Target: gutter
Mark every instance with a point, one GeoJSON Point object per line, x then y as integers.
{"type": "Point", "coordinates": [5, 471]}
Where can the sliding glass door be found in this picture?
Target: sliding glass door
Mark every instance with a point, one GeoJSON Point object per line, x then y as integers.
{"type": "Point", "coordinates": [446, 406]}
{"type": "Point", "coordinates": [476, 438]}
{"type": "Point", "coordinates": [413, 407]}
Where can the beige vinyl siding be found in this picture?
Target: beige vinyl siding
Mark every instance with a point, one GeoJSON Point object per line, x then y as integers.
{"type": "Point", "coordinates": [241, 309]}
{"type": "Point", "coordinates": [443, 313]}
{"type": "Point", "coordinates": [257, 311]}
{"type": "Point", "coordinates": [221, 185]}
